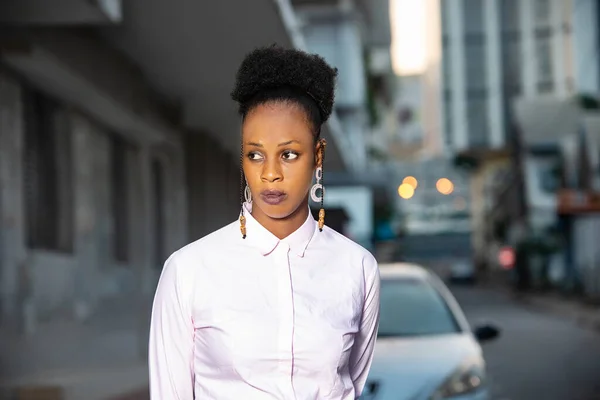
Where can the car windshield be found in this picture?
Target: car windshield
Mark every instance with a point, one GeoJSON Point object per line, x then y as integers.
{"type": "Point", "coordinates": [413, 307]}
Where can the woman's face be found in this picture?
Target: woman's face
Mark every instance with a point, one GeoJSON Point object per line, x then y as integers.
{"type": "Point", "coordinates": [279, 158]}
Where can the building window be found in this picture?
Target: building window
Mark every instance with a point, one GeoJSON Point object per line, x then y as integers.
{"type": "Point", "coordinates": [445, 20]}
{"type": "Point", "coordinates": [548, 174]}
{"type": "Point", "coordinates": [477, 115]}
{"type": "Point", "coordinates": [446, 64]}
{"type": "Point", "coordinates": [120, 201]}
{"type": "Point", "coordinates": [543, 33]}
{"type": "Point", "coordinates": [47, 173]}
{"type": "Point", "coordinates": [473, 16]}
{"type": "Point", "coordinates": [544, 64]}
{"type": "Point", "coordinates": [448, 120]}
{"type": "Point", "coordinates": [511, 47]}
{"type": "Point", "coordinates": [475, 62]}
{"type": "Point", "coordinates": [541, 12]}
{"type": "Point", "coordinates": [158, 192]}
{"type": "Point", "coordinates": [509, 15]}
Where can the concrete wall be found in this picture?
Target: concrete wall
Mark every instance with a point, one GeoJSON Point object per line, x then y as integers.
{"type": "Point", "coordinates": [12, 241]}
{"type": "Point", "coordinates": [585, 38]}
{"type": "Point", "coordinates": [339, 41]}
{"type": "Point", "coordinates": [213, 181]}
{"type": "Point", "coordinates": [541, 195]}
{"type": "Point", "coordinates": [79, 280]}
{"type": "Point", "coordinates": [587, 253]}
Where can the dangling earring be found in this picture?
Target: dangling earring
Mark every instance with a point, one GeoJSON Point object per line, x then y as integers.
{"type": "Point", "coordinates": [243, 192]}
{"type": "Point", "coordinates": [243, 225]}
{"type": "Point", "coordinates": [319, 185]}
{"type": "Point", "coordinates": [247, 194]}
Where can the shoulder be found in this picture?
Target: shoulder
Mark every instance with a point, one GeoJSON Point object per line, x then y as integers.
{"type": "Point", "coordinates": [357, 253]}
{"type": "Point", "coordinates": [180, 274]}
{"type": "Point", "coordinates": [195, 252]}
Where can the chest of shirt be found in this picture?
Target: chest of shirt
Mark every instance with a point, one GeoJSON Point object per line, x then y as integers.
{"type": "Point", "coordinates": [265, 304]}
{"type": "Point", "coordinates": [248, 284]}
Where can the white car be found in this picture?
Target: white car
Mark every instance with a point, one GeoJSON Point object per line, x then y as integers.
{"type": "Point", "coordinates": [425, 348]}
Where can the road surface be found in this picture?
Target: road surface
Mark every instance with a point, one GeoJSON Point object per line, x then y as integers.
{"type": "Point", "coordinates": [538, 355]}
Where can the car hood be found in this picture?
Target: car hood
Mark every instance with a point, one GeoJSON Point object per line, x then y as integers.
{"type": "Point", "coordinates": [411, 368]}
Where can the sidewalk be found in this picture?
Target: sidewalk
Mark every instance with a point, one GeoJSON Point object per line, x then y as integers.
{"type": "Point", "coordinates": [67, 360]}
{"type": "Point", "coordinates": [584, 315]}
{"type": "Point", "coordinates": [143, 394]}
{"type": "Point", "coordinates": [114, 383]}
{"type": "Point", "coordinates": [569, 308]}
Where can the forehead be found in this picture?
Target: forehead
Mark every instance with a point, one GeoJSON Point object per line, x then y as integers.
{"type": "Point", "coordinates": [276, 121]}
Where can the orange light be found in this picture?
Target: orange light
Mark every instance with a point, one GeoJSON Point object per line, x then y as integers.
{"type": "Point", "coordinates": [406, 191]}
{"type": "Point", "coordinates": [444, 186]}
{"type": "Point", "coordinates": [412, 181]}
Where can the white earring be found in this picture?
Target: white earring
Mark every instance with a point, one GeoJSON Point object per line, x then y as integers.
{"type": "Point", "coordinates": [317, 186]}
{"type": "Point", "coordinates": [248, 194]}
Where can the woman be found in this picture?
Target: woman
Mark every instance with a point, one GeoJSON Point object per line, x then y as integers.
{"type": "Point", "coordinates": [274, 305]}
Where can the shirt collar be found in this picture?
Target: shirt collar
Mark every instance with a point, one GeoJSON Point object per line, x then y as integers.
{"type": "Point", "coordinates": [259, 237]}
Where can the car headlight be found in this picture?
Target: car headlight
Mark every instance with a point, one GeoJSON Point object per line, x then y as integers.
{"type": "Point", "coordinates": [467, 378]}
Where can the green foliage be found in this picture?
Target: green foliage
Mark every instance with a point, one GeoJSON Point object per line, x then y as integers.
{"type": "Point", "coordinates": [383, 213]}
{"type": "Point", "coordinates": [464, 161]}
{"type": "Point", "coordinates": [376, 154]}
{"type": "Point", "coordinates": [588, 101]}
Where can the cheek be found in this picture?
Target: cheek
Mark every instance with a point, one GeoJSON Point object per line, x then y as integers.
{"type": "Point", "coordinates": [301, 176]}
{"type": "Point", "coordinates": [251, 172]}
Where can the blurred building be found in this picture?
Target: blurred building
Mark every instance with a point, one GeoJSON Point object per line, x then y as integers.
{"type": "Point", "coordinates": [562, 187]}
{"type": "Point", "coordinates": [334, 30]}
{"type": "Point", "coordinates": [496, 52]}
{"type": "Point", "coordinates": [118, 144]}
{"type": "Point", "coordinates": [355, 37]}
{"type": "Point", "coordinates": [409, 121]}
{"type": "Point", "coordinates": [521, 82]}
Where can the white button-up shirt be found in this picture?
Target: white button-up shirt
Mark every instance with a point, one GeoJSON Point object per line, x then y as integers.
{"type": "Point", "coordinates": [263, 318]}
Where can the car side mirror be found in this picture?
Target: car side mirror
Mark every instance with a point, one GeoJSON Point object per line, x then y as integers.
{"type": "Point", "coordinates": [486, 332]}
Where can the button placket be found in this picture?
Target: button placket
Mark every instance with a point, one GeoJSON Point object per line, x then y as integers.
{"type": "Point", "coordinates": [286, 308]}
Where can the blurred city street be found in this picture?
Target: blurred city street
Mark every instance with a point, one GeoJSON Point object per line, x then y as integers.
{"type": "Point", "coordinates": [539, 355]}
{"type": "Point", "coordinates": [464, 140]}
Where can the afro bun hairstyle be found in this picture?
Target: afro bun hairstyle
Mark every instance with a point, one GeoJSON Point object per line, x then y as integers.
{"type": "Point", "coordinates": [274, 73]}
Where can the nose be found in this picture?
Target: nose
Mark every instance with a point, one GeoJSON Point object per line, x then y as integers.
{"type": "Point", "coordinates": [271, 171]}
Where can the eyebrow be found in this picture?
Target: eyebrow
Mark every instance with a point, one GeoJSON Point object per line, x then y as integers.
{"type": "Point", "coordinates": [279, 145]}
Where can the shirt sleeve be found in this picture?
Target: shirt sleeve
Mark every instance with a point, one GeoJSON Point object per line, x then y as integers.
{"type": "Point", "coordinates": [171, 342]}
{"type": "Point", "coordinates": [364, 341]}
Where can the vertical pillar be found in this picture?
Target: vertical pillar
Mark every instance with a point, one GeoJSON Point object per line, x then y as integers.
{"type": "Point", "coordinates": [494, 72]}
{"type": "Point", "coordinates": [456, 36]}
{"type": "Point", "coordinates": [528, 50]}
{"type": "Point", "coordinates": [12, 215]}
{"type": "Point", "coordinates": [142, 241]}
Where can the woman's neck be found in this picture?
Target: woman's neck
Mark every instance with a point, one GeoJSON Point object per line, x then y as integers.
{"type": "Point", "coordinates": [282, 227]}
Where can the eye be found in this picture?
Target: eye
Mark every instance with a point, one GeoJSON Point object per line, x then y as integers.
{"type": "Point", "coordinates": [254, 156]}
{"type": "Point", "coordinates": [289, 155]}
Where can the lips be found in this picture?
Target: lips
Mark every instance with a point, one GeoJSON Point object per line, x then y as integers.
{"type": "Point", "coordinates": [273, 197]}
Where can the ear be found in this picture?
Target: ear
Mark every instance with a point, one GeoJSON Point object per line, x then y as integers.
{"type": "Point", "coordinates": [319, 152]}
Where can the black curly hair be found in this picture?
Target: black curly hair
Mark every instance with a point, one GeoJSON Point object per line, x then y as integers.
{"type": "Point", "coordinates": [277, 74]}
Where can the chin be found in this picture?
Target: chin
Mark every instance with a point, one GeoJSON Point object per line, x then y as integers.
{"type": "Point", "coordinates": [277, 211]}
